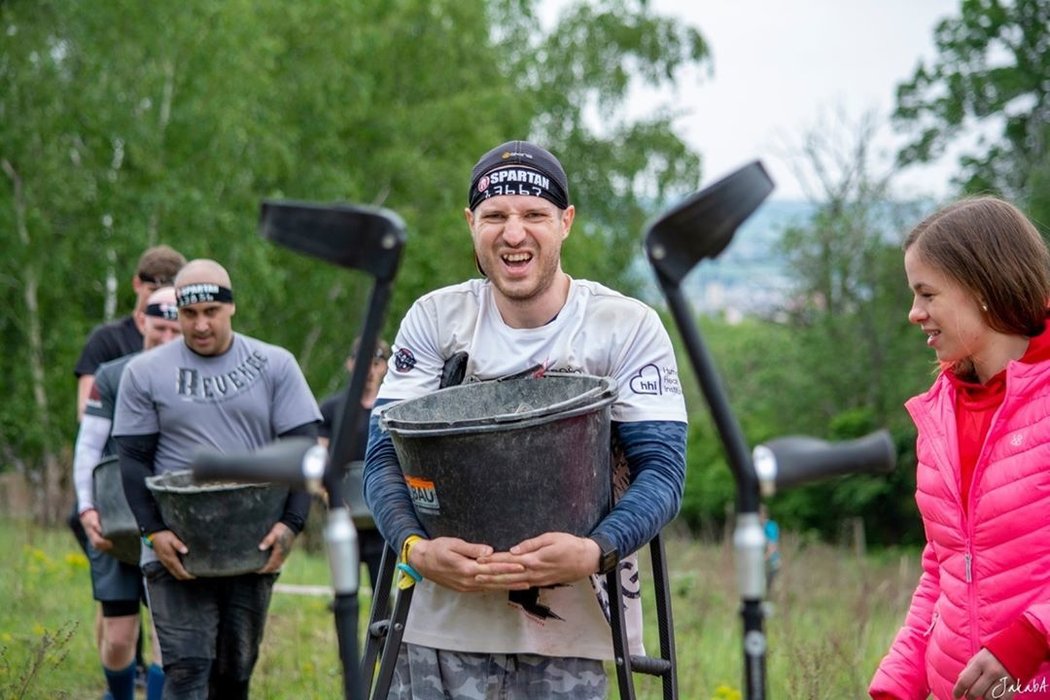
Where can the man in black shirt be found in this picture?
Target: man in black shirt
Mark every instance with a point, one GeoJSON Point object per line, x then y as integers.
{"type": "Point", "coordinates": [370, 542]}
{"type": "Point", "coordinates": [108, 341]}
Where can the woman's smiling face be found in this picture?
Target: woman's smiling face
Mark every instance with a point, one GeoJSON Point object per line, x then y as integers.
{"type": "Point", "coordinates": [947, 312]}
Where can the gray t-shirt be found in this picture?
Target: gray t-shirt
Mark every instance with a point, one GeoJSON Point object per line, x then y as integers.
{"type": "Point", "coordinates": [240, 400]}
{"type": "Point", "coordinates": [102, 400]}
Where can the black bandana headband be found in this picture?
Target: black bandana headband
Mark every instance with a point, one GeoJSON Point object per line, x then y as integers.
{"type": "Point", "coordinates": [169, 312]}
{"type": "Point", "coordinates": [519, 168]}
{"type": "Point", "coordinates": [202, 292]}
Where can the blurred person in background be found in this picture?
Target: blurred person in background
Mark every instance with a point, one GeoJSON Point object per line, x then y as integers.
{"type": "Point", "coordinates": [370, 542]}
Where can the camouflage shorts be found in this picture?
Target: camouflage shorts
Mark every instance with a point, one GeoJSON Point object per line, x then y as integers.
{"type": "Point", "coordinates": [422, 673]}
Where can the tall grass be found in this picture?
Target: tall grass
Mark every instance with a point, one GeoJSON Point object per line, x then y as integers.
{"type": "Point", "coordinates": [833, 615]}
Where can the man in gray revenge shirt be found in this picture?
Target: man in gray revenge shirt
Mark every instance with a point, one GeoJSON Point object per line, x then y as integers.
{"type": "Point", "coordinates": [226, 391]}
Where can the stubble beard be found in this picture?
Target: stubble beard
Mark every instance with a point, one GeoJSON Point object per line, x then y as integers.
{"type": "Point", "coordinates": [521, 293]}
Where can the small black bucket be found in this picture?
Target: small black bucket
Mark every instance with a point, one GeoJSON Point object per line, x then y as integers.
{"type": "Point", "coordinates": [115, 517]}
{"type": "Point", "coordinates": [500, 462]}
{"type": "Point", "coordinates": [221, 523]}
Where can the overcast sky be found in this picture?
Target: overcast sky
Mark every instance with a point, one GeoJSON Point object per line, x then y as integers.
{"type": "Point", "coordinates": [783, 66]}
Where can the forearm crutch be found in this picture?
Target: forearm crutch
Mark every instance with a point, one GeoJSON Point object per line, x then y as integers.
{"type": "Point", "coordinates": [699, 228]}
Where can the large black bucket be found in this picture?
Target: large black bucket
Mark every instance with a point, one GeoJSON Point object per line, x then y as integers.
{"type": "Point", "coordinates": [500, 462]}
{"type": "Point", "coordinates": [115, 517]}
{"type": "Point", "coordinates": [220, 523]}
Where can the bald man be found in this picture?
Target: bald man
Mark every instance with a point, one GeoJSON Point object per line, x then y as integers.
{"type": "Point", "coordinates": [221, 390]}
{"type": "Point", "coordinates": [117, 586]}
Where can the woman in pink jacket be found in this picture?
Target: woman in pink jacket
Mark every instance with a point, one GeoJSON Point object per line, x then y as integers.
{"type": "Point", "coordinates": [979, 620]}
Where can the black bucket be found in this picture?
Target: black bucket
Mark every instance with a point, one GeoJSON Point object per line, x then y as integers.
{"type": "Point", "coordinates": [222, 524]}
{"type": "Point", "coordinates": [500, 462]}
{"type": "Point", "coordinates": [115, 517]}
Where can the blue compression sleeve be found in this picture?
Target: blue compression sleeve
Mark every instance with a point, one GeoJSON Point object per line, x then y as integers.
{"type": "Point", "coordinates": [655, 453]}
{"type": "Point", "coordinates": [384, 487]}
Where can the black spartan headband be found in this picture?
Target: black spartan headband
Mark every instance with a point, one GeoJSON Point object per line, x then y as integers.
{"type": "Point", "coordinates": [201, 292]}
{"type": "Point", "coordinates": [169, 312]}
{"type": "Point", "coordinates": [519, 168]}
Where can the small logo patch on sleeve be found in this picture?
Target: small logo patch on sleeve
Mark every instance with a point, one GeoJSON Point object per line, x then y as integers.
{"type": "Point", "coordinates": [404, 360]}
{"type": "Point", "coordinates": [424, 495]}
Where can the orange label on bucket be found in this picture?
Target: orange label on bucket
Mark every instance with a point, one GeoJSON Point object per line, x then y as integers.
{"type": "Point", "coordinates": [423, 493]}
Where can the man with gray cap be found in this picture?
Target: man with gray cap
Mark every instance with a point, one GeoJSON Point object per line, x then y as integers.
{"type": "Point", "coordinates": [225, 391]}
{"type": "Point", "coordinates": [529, 622]}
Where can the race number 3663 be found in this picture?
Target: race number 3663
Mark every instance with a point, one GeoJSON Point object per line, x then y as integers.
{"type": "Point", "coordinates": [423, 493]}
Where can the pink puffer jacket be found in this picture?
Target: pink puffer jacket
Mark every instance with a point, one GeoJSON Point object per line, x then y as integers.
{"type": "Point", "coordinates": [980, 572]}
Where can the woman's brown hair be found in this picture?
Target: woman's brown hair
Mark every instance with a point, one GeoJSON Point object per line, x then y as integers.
{"type": "Point", "coordinates": [989, 247]}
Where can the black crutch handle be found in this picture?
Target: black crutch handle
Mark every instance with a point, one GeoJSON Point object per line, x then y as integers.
{"type": "Point", "coordinates": [297, 461]}
{"type": "Point", "coordinates": [785, 462]}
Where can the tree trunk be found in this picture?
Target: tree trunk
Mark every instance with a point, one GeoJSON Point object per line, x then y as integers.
{"type": "Point", "coordinates": [313, 335]}
{"type": "Point", "coordinates": [49, 495]}
{"type": "Point", "coordinates": [167, 100]}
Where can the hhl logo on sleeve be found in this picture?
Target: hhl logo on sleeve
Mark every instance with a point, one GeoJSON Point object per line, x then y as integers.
{"type": "Point", "coordinates": [652, 380]}
{"type": "Point", "coordinates": [647, 381]}
{"type": "Point", "coordinates": [424, 495]}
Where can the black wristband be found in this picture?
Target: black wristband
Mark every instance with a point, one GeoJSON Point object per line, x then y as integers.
{"type": "Point", "coordinates": [609, 555]}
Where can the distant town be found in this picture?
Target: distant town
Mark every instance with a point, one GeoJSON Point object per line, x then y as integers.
{"type": "Point", "coordinates": [748, 278]}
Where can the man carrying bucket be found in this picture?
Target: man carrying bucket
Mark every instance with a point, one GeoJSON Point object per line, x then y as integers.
{"type": "Point", "coordinates": [527, 622]}
{"type": "Point", "coordinates": [220, 390]}
{"type": "Point", "coordinates": [370, 543]}
{"type": "Point", "coordinates": [156, 267]}
{"type": "Point", "coordinates": [117, 585]}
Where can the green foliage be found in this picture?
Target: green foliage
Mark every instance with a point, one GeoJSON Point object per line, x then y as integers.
{"type": "Point", "coordinates": [990, 73]}
{"type": "Point", "coordinates": [766, 370]}
{"type": "Point", "coordinates": [853, 345]}
{"type": "Point", "coordinates": [709, 485]}
{"type": "Point", "coordinates": [44, 655]}
{"type": "Point", "coordinates": [38, 633]}
{"type": "Point", "coordinates": [122, 126]}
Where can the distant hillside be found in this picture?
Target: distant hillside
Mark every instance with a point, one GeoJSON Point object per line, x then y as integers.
{"type": "Point", "coordinates": [748, 277]}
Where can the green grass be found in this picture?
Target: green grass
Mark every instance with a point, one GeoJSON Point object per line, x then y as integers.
{"type": "Point", "coordinates": [834, 615]}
